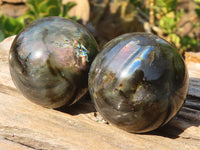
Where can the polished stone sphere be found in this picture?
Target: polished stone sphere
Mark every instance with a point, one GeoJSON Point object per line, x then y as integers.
{"type": "Point", "coordinates": [50, 60]}
{"type": "Point", "coordinates": [138, 82]}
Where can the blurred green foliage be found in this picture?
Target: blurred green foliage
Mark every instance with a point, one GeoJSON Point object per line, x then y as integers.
{"type": "Point", "coordinates": [167, 18]}
{"type": "Point", "coordinates": [10, 26]}
{"type": "Point", "coordinates": [36, 9]}
{"type": "Point", "coordinates": [197, 10]}
{"type": "Point", "coordinates": [44, 8]}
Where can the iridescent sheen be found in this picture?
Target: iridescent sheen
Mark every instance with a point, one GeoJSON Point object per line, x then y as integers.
{"type": "Point", "coordinates": [138, 82]}
{"type": "Point", "coordinates": [50, 60]}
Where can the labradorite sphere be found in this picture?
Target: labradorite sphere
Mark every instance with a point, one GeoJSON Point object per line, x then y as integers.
{"type": "Point", "coordinates": [138, 82]}
{"type": "Point", "coordinates": [50, 59]}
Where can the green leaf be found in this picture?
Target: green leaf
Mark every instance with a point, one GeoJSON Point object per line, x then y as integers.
{"type": "Point", "coordinates": [189, 43]}
{"type": "Point", "coordinates": [67, 7]}
{"type": "Point", "coordinates": [10, 24]}
{"type": "Point", "coordinates": [136, 3]}
{"type": "Point", "coordinates": [2, 35]}
{"type": "Point", "coordinates": [43, 6]}
{"type": "Point", "coordinates": [74, 18]}
{"type": "Point", "coordinates": [29, 16]}
{"type": "Point", "coordinates": [175, 39]}
{"type": "Point", "coordinates": [33, 6]}
{"type": "Point", "coordinates": [197, 1]}
{"type": "Point", "coordinates": [53, 11]}
{"type": "Point", "coordinates": [197, 10]}
{"type": "Point", "coordinates": [168, 4]}
{"type": "Point", "coordinates": [168, 24]}
{"type": "Point", "coordinates": [52, 7]}
{"type": "Point", "coordinates": [20, 25]}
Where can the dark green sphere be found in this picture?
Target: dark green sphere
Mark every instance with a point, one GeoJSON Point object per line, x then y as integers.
{"type": "Point", "coordinates": [50, 60]}
{"type": "Point", "coordinates": [138, 82]}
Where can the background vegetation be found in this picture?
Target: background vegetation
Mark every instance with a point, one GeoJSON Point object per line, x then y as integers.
{"type": "Point", "coordinates": [36, 9]}
{"type": "Point", "coordinates": [110, 18]}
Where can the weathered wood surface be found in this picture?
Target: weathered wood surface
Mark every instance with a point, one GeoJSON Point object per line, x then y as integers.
{"type": "Point", "coordinates": [24, 125]}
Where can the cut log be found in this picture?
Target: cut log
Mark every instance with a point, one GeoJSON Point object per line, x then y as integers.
{"type": "Point", "coordinates": [25, 125]}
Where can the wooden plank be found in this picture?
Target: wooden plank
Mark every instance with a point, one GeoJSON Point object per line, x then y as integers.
{"type": "Point", "coordinates": [24, 125]}
{"type": "Point", "coordinates": [9, 145]}
{"type": "Point", "coordinates": [193, 63]}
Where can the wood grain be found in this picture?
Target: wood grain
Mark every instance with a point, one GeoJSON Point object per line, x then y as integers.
{"type": "Point", "coordinates": [24, 125]}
